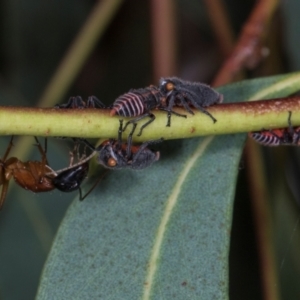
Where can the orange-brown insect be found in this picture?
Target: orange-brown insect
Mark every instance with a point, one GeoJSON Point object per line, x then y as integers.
{"type": "Point", "coordinates": [30, 175]}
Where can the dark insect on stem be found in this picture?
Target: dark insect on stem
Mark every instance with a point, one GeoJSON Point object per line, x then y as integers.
{"type": "Point", "coordinates": [114, 154]}
{"type": "Point", "coordinates": [289, 136]}
{"type": "Point", "coordinates": [172, 92]}
{"type": "Point", "coordinates": [181, 93]}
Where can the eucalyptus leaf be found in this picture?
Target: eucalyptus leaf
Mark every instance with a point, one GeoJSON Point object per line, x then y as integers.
{"type": "Point", "coordinates": [159, 233]}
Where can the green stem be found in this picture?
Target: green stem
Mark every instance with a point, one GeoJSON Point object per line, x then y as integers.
{"type": "Point", "coordinates": [96, 123]}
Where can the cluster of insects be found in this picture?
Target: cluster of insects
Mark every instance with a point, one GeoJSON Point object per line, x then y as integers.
{"type": "Point", "coordinates": [114, 154]}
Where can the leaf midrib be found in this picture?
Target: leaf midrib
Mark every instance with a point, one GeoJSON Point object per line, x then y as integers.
{"type": "Point", "coordinates": [169, 208]}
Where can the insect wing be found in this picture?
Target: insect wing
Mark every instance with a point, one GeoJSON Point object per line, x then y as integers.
{"type": "Point", "coordinates": [145, 159]}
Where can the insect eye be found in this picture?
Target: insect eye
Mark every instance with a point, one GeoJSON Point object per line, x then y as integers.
{"type": "Point", "coordinates": [111, 162]}
{"type": "Point", "coordinates": [170, 86]}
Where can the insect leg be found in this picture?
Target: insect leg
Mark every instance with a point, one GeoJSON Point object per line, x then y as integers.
{"type": "Point", "coordinates": [191, 97]}
{"type": "Point", "coordinates": [129, 141]}
{"type": "Point", "coordinates": [120, 132]}
{"type": "Point", "coordinates": [185, 104]}
{"type": "Point", "coordinates": [291, 128]}
{"type": "Point", "coordinates": [3, 192]}
{"type": "Point", "coordinates": [94, 102]}
{"type": "Point", "coordinates": [73, 102]}
{"type": "Point", "coordinates": [293, 133]}
{"type": "Point", "coordinates": [169, 114]}
{"type": "Point", "coordinates": [87, 143]}
{"type": "Point", "coordinates": [133, 121]}
{"type": "Point", "coordinates": [42, 151]}
{"type": "Point", "coordinates": [169, 110]}
{"type": "Point", "coordinates": [8, 148]}
{"type": "Point", "coordinates": [207, 113]}
{"type": "Point", "coordinates": [81, 198]}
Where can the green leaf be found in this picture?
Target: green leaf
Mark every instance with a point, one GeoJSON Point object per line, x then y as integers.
{"type": "Point", "coordinates": [159, 233]}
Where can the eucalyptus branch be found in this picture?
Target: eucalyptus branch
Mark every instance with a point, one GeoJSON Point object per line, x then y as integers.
{"type": "Point", "coordinates": [97, 123]}
{"type": "Point", "coordinates": [248, 50]}
{"type": "Point", "coordinates": [220, 22]}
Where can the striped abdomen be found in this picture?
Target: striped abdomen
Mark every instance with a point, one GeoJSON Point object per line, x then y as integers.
{"type": "Point", "coordinates": [128, 105]}
{"type": "Point", "coordinates": [275, 137]}
{"type": "Point", "coordinates": [137, 102]}
{"type": "Point", "coordinates": [265, 138]}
